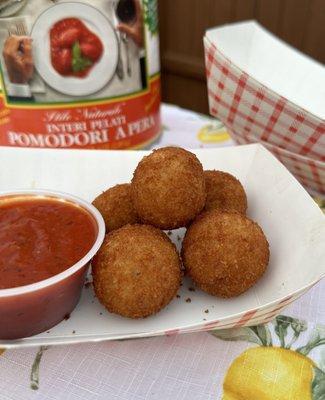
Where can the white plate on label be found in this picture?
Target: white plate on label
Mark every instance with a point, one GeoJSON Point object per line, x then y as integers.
{"type": "Point", "coordinates": [103, 70]}
{"type": "Point", "coordinates": [291, 220]}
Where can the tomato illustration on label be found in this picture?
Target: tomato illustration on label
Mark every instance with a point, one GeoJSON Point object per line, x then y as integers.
{"type": "Point", "coordinates": [79, 75]}
{"type": "Point", "coordinates": [74, 48]}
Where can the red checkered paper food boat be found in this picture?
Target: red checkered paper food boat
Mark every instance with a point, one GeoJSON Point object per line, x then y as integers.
{"type": "Point", "coordinates": [265, 91]}
{"type": "Point", "coordinates": [310, 172]}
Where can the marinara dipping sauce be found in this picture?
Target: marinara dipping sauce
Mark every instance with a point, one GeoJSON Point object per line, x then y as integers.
{"type": "Point", "coordinates": [41, 237]}
{"type": "Point", "coordinates": [47, 240]}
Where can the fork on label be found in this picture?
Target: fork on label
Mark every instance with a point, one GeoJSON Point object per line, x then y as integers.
{"type": "Point", "coordinates": [18, 29]}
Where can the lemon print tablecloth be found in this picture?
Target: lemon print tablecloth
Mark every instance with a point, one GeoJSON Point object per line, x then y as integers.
{"type": "Point", "coordinates": [284, 360]}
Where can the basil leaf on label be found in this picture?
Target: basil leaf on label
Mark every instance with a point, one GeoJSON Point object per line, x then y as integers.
{"type": "Point", "coordinates": [79, 62]}
{"type": "Point", "coordinates": [76, 51]}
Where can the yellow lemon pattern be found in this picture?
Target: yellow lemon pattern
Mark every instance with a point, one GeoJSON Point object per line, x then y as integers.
{"type": "Point", "coordinates": [213, 133]}
{"type": "Point", "coordinates": [269, 373]}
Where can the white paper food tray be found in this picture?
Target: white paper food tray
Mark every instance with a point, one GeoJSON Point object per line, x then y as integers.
{"type": "Point", "coordinates": [292, 222]}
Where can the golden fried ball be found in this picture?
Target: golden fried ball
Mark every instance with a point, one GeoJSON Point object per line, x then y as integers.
{"type": "Point", "coordinates": [168, 188]}
{"type": "Point", "coordinates": [116, 207]}
{"type": "Point", "coordinates": [137, 271]}
{"type": "Point", "coordinates": [225, 253]}
{"type": "Point", "coordinates": [224, 192]}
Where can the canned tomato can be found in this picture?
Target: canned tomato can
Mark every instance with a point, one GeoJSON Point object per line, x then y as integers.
{"type": "Point", "coordinates": [79, 74]}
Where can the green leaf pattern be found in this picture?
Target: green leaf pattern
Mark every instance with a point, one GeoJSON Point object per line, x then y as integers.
{"type": "Point", "coordinates": [282, 323]}
{"type": "Point", "coordinates": [247, 334]}
{"type": "Point", "coordinates": [34, 375]}
{"type": "Point", "coordinates": [318, 385]}
{"type": "Point", "coordinates": [150, 8]}
{"type": "Point", "coordinates": [264, 334]}
{"type": "Point", "coordinates": [317, 339]}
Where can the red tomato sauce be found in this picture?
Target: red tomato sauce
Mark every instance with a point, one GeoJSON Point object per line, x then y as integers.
{"type": "Point", "coordinates": [74, 48]}
{"type": "Point", "coordinates": [40, 238]}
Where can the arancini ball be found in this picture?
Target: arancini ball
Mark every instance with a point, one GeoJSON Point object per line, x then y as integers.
{"type": "Point", "coordinates": [137, 271]}
{"type": "Point", "coordinates": [116, 207]}
{"type": "Point", "coordinates": [168, 188]}
{"type": "Point", "coordinates": [225, 253]}
{"type": "Point", "coordinates": [224, 192]}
